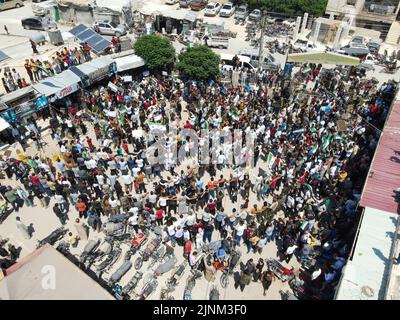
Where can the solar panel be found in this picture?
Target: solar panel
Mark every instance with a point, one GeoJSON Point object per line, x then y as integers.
{"type": "Point", "coordinates": [83, 36]}
{"type": "Point", "coordinates": [78, 29]}
{"type": "Point", "coordinates": [95, 39]}
{"type": "Point", "coordinates": [101, 46]}
{"type": "Point", "coordinates": [3, 56]}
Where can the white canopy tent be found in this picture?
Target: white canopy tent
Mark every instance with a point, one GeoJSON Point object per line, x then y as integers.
{"type": "Point", "coordinates": [129, 62]}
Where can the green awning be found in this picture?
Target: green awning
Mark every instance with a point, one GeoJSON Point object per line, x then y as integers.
{"type": "Point", "coordinates": [323, 58]}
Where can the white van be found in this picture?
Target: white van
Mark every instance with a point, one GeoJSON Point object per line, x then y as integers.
{"type": "Point", "coordinates": [227, 62]}
{"type": "Point", "coordinates": [253, 54]}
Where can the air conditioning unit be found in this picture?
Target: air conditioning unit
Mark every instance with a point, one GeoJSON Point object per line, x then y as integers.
{"type": "Point", "coordinates": [55, 37]}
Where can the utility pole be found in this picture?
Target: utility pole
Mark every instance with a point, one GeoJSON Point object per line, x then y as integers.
{"type": "Point", "coordinates": [263, 26]}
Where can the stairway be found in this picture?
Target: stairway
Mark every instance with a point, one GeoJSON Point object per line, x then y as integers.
{"type": "Point", "coordinates": [393, 35]}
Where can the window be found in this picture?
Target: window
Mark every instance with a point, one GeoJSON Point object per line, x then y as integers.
{"type": "Point", "coordinates": [351, 2]}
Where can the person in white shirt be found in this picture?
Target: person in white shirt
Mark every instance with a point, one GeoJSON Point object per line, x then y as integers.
{"type": "Point", "coordinates": [100, 179]}
{"type": "Point", "coordinates": [133, 222]}
{"type": "Point", "coordinates": [171, 233]}
{"type": "Point", "coordinates": [239, 232]}
{"type": "Point", "coordinates": [316, 274]}
{"type": "Point", "coordinates": [190, 219]}
{"type": "Point", "coordinates": [153, 198]}
{"type": "Point", "coordinates": [289, 252]}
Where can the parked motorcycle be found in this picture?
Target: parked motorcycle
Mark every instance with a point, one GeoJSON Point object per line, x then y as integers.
{"type": "Point", "coordinates": [111, 258]}
{"type": "Point", "coordinates": [190, 283]}
{"type": "Point", "coordinates": [149, 287]}
{"type": "Point", "coordinates": [103, 250]}
{"type": "Point", "coordinates": [89, 249]}
{"type": "Point", "coordinates": [280, 271]}
{"type": "Point", "coordinates": [232, 263]}
{"type": "Point", "coordinates": [177, 275]}
{"type": "Point", "coordinates": [147, 252]}
{"type": "Point", "coordinates": [214, 293]}
{"type": "Point", "coordinates": [166, 265]}
{"type": "Point", "coordinates": [124, 293]}
{"type": "Point", "coordinates": [53, 237]}
{"type": "Point", "coordinates": [121, 271]}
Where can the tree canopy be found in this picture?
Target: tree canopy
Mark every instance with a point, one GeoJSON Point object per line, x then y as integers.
{"type": "Point", "coordinates": [156, 50]}
{"type": "Point", "coordinates": [199, 63]}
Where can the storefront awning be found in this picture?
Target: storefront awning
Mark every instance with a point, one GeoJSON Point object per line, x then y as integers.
{"type": "Point", "coordinates": [129, 62]}
{"type": "Point", "coordinates": [191, 16]}
{"type": "Point", "coordinates": [94, 69]}
{"type": "Point", "coordinates": [323, 58]}
{"type": "Point", "coordinates": [60, 85]}
{"type": "Point", "coordinates": [17, 94]}
{"type": "Point", "coordinates": [3, 124]}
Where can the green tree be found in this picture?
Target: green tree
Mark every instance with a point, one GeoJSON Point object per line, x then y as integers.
{"type": "Point", "coordinates": [290, 7]}
{"type": "Point", "coordinates": [156, 50]}
{"type": "Point", "coordinates": [199, 63]}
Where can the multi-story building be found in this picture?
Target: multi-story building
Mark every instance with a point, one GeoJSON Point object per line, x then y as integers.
{"type": "Point", "coordinates": [380, 15]}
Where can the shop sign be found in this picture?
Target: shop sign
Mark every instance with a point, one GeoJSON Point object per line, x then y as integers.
{"type": "Point", "coordinates": [68, 90]}
{"type": "Point", "coordinates": [112, 86]}
{"type": "Point", "coordinates": [127, 78]}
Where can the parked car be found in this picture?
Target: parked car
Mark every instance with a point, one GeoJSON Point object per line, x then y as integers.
{"type": "Point", "coordinates": [374, 45]}
{"type": "Point", "coordinates": [356, 50]}
{"type": "Point", "coordinates": [253, 53]}
{"type": "Point", "coordinates": [197, 5]}
{"type": "Point", "coordinates": [255, 15]}
{"type": "Point", "coordinates": [10, 4]}
{"type": "Point", "coordinates": [227, 62]}
{"type": "Point", "coordinates": [184, 3]}
{"type": "Point", "coordinates": [37, 23]}
{"type": "Point", "coordinates": [242, 12]}
{"type": "Point", "coordinates": [171, 2]}
{"type": "Point", "coordinates": [212, 9]}
{"type": "Point", "coordinates": [109, 28]}
{"type": "Point", "coordinates": [302, 43]}
{"type": "Point", "coordinates": [227, 10]}
{"type": "Point", "coordinates": [216, 41]}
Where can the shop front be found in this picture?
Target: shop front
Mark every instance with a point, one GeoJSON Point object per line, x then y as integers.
{"type": "Point", "coordinates": [129, 63]}
{"type": "Point", "coordinates": [55, 89]}
{"type": "Point", "coordinates": [18, 105]}
{"type": "Point", "coordinates": [94, 71]}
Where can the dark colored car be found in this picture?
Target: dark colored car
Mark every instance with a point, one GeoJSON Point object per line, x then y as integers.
{"type": "Point", "coordinates": [35, 23]}
{"type": "Point", "coordinates": [197, 5]}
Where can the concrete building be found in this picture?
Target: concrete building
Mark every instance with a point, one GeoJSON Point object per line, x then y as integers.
{"type": "Point", "coordinates": [46, 274]}
{"type": "Point", "coordinates": [87, 11]}
{"type": "Point", "coordinates": [380, 15]}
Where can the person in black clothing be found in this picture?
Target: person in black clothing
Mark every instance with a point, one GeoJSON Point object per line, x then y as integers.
{"type": "Point", "coordinates": [118, 189]}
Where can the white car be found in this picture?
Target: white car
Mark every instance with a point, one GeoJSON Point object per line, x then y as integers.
{"type": "Point", "coordinates": [307, 45]}
{"type": "Point", "coordinates": [227, 10]}
{"type": "Point", "coordinates": [171, 2]}
{"type": "Point", "coordinates": [212, 9]}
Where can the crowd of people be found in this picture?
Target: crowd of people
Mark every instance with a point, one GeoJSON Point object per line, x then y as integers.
{"type": "Point", "coordinates": [37, 69]}
{"type": "Point", "coordinates": [311, 155]}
